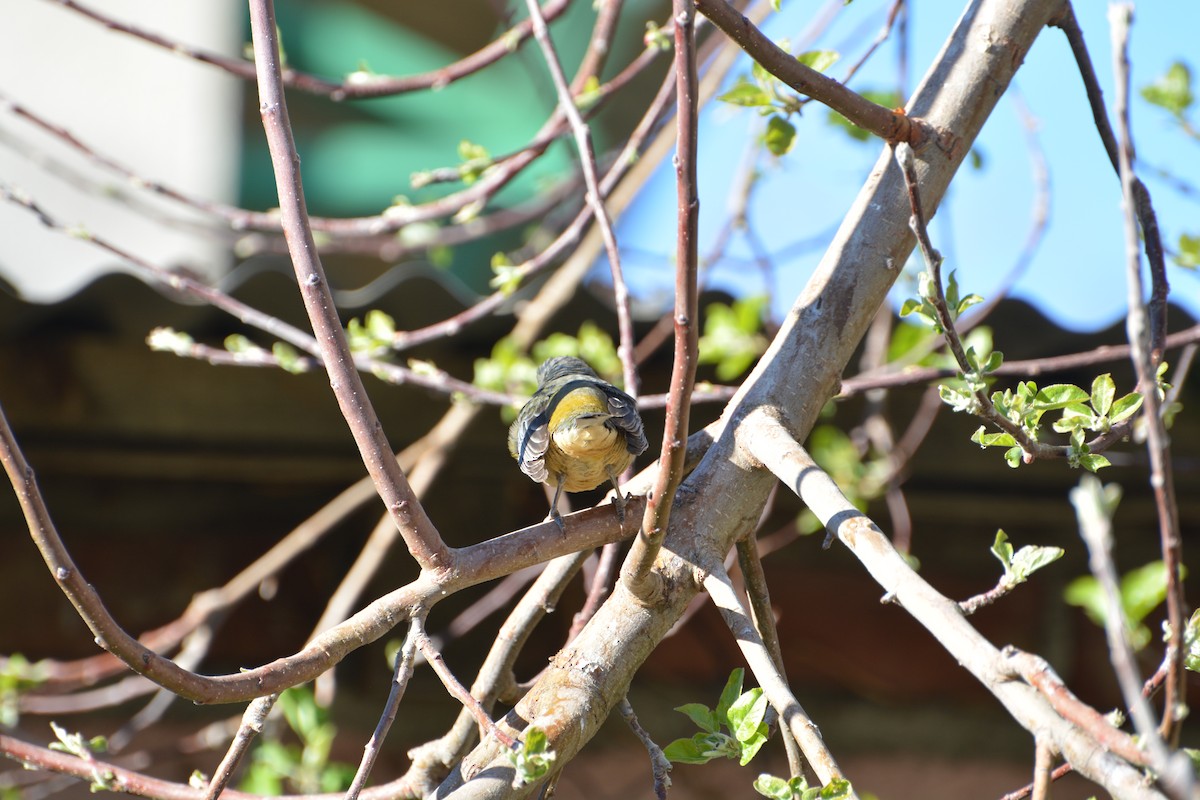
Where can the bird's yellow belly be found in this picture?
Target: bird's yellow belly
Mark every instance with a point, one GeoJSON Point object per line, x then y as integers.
{"type": "Point", "coordinates": [585, 456]}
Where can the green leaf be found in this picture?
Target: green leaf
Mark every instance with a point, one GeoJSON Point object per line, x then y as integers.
{"type": "Point", "coordinates": [533, 759]}
{"type": "Point", "coordinates": [1191, 642]}
{"type": "Point", "coordinates": [657, 38]}
{"type": "Point", "coordinates": [1172, 90]}
{"type": "Point", "coordinates": [748, 95]}
{"type": "Point", "coordinates": [1126, 407]}
{"type": "Point", "coordinates": [1187, 253]}
{"type": "Point", "coordinates": [589, 95]}
{"type": "Point", "coordinates": [475, 161]}
{"type": "Point", "coordinates": [778, 788]}
{"type": "Point", "coordinates": [1031, 558]}
{"type": "Point", "coordinates": [1014, 456]}
{"type": "Point", "coordinates": [1060, 395]}
{"type": "Point", "coordinates": [238, 344]}
{"type": "Point", "coordinates": [704, 717]}
{"type": "Point", "coordinates": [820, 60]}
{"type": "Point", "coordinates": [169, 340]}
{"type": "Point", "coordinates": [507, 276]}
{"type": "Point", "coordinates": [746, 714]}
{"type": "Point", "coordinates": [731, 337]}
{"type": "Point", "coordinates": [1003, 550]}
{"type": "Point", "coordinates": [780, 136]}
{"type": "Point", "coordinates": [1093, 462]}
{"type": "Point", "coordinates": [730, 694]}
{"type": "Point", "coordinates": [1103, 392]}
{"type": "Point", "coordinates": [685, 751]}
{"type": "Point", "coordinates": [1143, 590]}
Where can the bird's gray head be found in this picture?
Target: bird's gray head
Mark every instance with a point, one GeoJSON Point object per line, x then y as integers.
{"type": "Point", "coordinates": [560, 366]}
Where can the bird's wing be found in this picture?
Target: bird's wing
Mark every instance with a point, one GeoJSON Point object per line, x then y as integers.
{"type": "Point", "coordinates": [528, 442]}
{"type": "Point", "coordinates": [625, 417]}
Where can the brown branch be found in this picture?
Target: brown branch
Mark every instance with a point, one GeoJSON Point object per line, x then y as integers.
{"type": "Point", "coordinates": [405, 661]}
{"type": "Point", "coordinates": [420, 536]}
{"type": "Point", "coordinates": [1146, 355]}
{"type": "Point", "coordinates": [891, 126]}
{"type": "Point", "coordinates": [636, 573]}
{"type": "Point", "coordinates": [1037, 673]}
{"type": "Point", "coordinates": [251, 726]}
{"type": "Point", "coordinates": [587, 160]}
{"type": "Point", "coordinates": [476, 564]}
{"type": "Point", "coordinates": [1141, 196]}
{"type": "Point", "coordinates": [354, 87]}
{"type": "Point", "coordinates": [459, 691]}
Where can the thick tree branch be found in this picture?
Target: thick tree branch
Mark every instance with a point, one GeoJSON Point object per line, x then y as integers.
{"type": "Point", "coordinates": [721, 499]}
{"type": "Point", "coordinates": [772, 444]}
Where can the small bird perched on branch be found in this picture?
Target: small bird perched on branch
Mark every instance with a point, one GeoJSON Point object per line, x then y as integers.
{"type": "Point", "coordinates": [576, 431]}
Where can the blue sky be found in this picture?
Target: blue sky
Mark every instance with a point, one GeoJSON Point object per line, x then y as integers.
{"type": "Point", "coordinates": [1077, 276]}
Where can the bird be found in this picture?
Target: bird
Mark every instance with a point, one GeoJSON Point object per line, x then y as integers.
{"type": "Point", "coordinates": [576, 431]}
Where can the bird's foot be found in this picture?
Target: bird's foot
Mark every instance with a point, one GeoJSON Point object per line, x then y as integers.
{"type": "Point", "coordinates": [558, 520]}
{"type": "Point", "coordinates": [619, 502]}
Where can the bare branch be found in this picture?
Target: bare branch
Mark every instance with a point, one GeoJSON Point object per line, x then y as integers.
{"type": "Point", "coordinates": [773, 684]}
{"type": "Point", "coordinates": [636, 572]}
{"type": "Point", "coordinates": [1147, 347]}
{"type": "Point", "coordinates": [775, 448]}
{"type": "Point", "coordinates": [354, 87]}
{"type": "Point", "coordinates": [891, 126]}
{"type": "Point", "coordinates": [420, 536]}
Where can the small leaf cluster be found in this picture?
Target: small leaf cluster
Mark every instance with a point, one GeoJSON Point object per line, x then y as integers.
{"type": "Point", "coordinates": [1191, 642]}
{"type": "Point", "coordinates": [304, 769]}
{"type": "Point", "coordinates": [1020, 565]}
{"type": "Point", "coordinates": [1172, 92]}
{"type": "Point", "coordinates": [1141, 591]}
{"type": "Point", "coordinates": [17, 677]}
{"type": "Point", "coordinates": [288, 358]}
{"type": "Point", "coordinates": [506, 276]}
{"type": "Point", "coordinates": [734, 729]}
{"type": "Point", "coordinates": [373, 335]}
{"type": "Point", "coordinates": [732, 338]}
{"type": "Point", "coordinates": [1082, 413]}
{"type": "Point", "coordinates": [475, 161]}
{"type": "Point", "coordinates": [103, 780]}
{"type": "Point", "coordinates": [533, 759]}
{"type": "Point", "coordinates": [925, 308]}
{"type": "Point", "coordinates": [765, 93]}
{"type": "Point", "coordinates": [797, 788]}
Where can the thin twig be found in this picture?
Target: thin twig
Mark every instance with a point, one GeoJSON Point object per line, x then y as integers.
{"type": "Point", "coordinates": [252, 724]}
{"type": "Point", "coordinates": [774, 686]}
{"type": "Point", "coordinates": [1146, 354]}
{"type": "Point", "coordinates": [636, 573]}
{"type": "Point", "coordinates": [405, 659]}
{"type": "Point", "coordinates": [1095, 527]}
{"type": "Point", "coordinates": [1141, 196]}
{"type": "Point", "coordinates": [587, 160]}
{"type": "Point", "coordinates": [356, 86]}
{"type": "Point", "coordinates": [763, 617]}
{"type": "Point", "coordinates": [659, 765]}
{"type": "Point", "coordinates": [459, 691]}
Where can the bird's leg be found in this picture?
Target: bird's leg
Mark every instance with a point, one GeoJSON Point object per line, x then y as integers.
{"type": "Point", "coordinates": [554, 513]}
{"type": "Point", "coordinates": [619, 498]}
